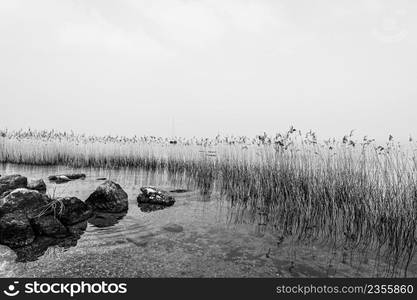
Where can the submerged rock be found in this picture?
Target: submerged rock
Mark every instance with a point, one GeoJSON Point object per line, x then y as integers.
{"type": "Point", "coordinates": [11, 182]}
{"type": "Point", "coordinates": [138, 243]}
{"type": "Point", "coordinates": [48, 226]}
{"type": "Point", "coordinates": [73, 211]}
{"type": "Point", "coordinates": [103, 219]}
{"type": "Point", "coordinates": [77, 229]}
{"type": "Point", "coordinates": [34, 250]}
{"type": "Point", "coordinates": [154, 196]}
{"type": "Point", "coordinates": [108, 197]}
{"type": "Point", "coordinates": [76, 176]}
{"type": "Point", "coordinates": [41, 244]}
{"type": "Point", "coordinates": [175, 228]}
{"type": "Point", "coordinates": [37, 185]}
{"type": "Point", "coordinates": [179, 191]}
{"type": "Point", "coordinates": [15, 230]}
{"type": "Point", "coordinates": [66, 177]}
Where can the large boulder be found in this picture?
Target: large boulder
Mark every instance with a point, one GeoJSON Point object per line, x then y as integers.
{"type": "Point", "coordinates": [73, 211]}
{"type": "Point", "coordinates": [25, 202]}
{"type": "Point", "coordinates": [15, 230]}
{"type": "Point", "coordinates": [11, 182]}
{"type": "Point", "coordinates": [155, 196]}
{"type": "Point", "coordinates": [37, 185]}
{"type": "Point", "coordinates": [108, 197]}
{"type": "Point", "coordinates": [16, 210]}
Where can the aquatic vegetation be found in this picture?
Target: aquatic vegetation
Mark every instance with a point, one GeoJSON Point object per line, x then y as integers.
{"type": "Point", "coordinates": [352, 195]}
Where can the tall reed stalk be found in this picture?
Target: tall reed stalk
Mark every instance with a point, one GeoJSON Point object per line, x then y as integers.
{"type": "Point", "coordinates": [354, 196]}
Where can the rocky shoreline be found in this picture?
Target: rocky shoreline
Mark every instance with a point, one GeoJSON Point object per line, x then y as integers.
{"type": "Point", "coordinates": [31, 220]}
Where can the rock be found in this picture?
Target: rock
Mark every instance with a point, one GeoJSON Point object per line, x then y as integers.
{"type": "Point", "coordinates": [153, 199]}
{"type": "Point", "coordinates": [34, 250]}
{"type": "Point", "coordinates": [37, 185]}
{"type": "Point", "coordinates": [5, 194]}
{"type": "Point", "coordinates": [25, 202]}
{"type": "Point", "coordinates": [30, 222]}
{"type": "Point", "coordinates": [65, 177]}
{"type": "Point", "coordinates": [73, 211]}
{"type": "Point", "coordinates": [6, 254]}
{"type": "Point", "coordinates": [140, 243]}
{"type": "Point", "coordinates": [48, 226]}
{"type": "Point", "coordinates": [175, 228]}
{"type": "Point", "coordinates": [152, 195]}
{"type": "Point", "coordinates": [179, 191]}
{"type": "Point", "coordinates": [12, 182]}
{"type": "Point", "coordinates": [15, 230]}
{"type": "Point", "coordinates": [76, 176]}
{"type": "Point", "coordinates": [60, 179]}
{"type": "Point", "coordinates": [41, 244]}
{"type": "Point", "coordinates": [108, 197]}
{"type": "Point", "coordinates": [77, 229]}
{"type": "Point", "coordinates": [16, 210]}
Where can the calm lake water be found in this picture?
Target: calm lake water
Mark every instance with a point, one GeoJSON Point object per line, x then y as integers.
{"type": "Point", "coordinates": [193, 238]}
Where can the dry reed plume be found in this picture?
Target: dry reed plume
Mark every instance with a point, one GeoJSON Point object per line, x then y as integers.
{"type": "Point", "coordinates": [352, 195]}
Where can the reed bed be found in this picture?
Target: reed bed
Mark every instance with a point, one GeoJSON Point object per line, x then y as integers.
{"type": "Point", "coordinates": [355, 196]}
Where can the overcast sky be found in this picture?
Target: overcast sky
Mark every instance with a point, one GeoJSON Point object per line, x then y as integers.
{"type": "Point", "coordinates": [208, 67]}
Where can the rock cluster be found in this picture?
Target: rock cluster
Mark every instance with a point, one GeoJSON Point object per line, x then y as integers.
{"type": "Point", "coordinates": [31, 221]}
{"type": "Point", "coordinates": [26, 214]}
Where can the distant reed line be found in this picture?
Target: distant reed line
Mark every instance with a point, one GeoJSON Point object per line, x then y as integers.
{"type": "Point", "coordinates": [353, 195]}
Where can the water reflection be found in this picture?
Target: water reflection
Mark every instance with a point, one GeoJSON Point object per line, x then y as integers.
{"type": "Point", "coordinates": [41, 244]}
{"type": "Point", "coordinates": [103, 219]}
{"type": "Point", "coordinates": [147, 208]}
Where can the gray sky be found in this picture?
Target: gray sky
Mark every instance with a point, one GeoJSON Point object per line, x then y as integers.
{"type": "Point", "coordinates": [233, 67]}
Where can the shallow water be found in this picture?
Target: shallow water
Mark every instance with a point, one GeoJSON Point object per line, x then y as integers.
{"type": "Point", "coordinates": [193, 238]}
